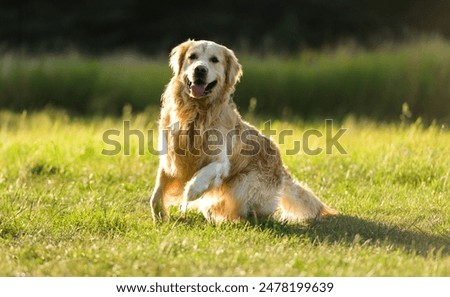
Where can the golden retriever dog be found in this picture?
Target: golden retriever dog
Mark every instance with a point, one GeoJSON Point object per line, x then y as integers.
{"type": "Point", "coordinates": [212, 160]}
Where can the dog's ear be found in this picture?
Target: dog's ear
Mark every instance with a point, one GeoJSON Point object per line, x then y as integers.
{"type": "Point", "coordinates": [177, 56]}
{"type": "Point", "coordinates": [233, 68]}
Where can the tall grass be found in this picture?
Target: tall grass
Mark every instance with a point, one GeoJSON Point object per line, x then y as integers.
{"type": "Point", "coordinates": [333, 83]}
{"type": "Point", "coordinates": [372, 83]}
{"type": "Point", "coordinates": [81, 84]}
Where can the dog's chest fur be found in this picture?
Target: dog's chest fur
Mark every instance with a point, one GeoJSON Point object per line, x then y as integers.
{"type": "Point", "coordinates": [188, 123]}
{"type": "Point", "coordinates": [187, 146]}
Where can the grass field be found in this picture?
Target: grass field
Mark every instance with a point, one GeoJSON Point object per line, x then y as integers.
{"type": "Point", "coordinates": [68, 210]}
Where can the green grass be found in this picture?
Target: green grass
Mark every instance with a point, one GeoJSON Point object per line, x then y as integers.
{"type": "Point", "coordinates": [346, 80]}
{"type": "Point", "coordinates": [68, 210]}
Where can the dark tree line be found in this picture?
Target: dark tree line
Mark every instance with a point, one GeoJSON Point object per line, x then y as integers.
{"type": "Point", "coordinates": [98, 26]}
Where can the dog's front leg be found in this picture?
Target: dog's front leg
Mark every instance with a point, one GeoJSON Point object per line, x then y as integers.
{"type": "Point", "coordinates": [206, 178]}
{"type": "Point", "coordinates": [156, 200]}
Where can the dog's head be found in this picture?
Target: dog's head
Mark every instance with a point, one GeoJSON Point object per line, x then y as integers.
{"type": "Point", "coordinates": [205, 68]}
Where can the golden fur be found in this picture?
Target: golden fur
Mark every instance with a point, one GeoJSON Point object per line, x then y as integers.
{"type": "Point", "coordinates": [234, 182]}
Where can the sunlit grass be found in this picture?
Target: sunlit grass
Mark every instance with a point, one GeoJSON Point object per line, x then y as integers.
{"type": "Point", "coordinates": [66, 209]}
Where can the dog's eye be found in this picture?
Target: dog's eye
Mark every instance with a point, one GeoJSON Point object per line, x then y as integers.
{"type": "Point", "coordinates": [193, 57]}
{"type": "Point", "coordinates": [214, 60]}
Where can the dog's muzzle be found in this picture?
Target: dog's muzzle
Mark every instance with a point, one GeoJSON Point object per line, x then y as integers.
{"type": "Point", "coordinates": [199, 88]}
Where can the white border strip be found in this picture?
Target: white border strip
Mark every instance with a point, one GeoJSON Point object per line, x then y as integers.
{"type": "Point", "coordinates": [194, 286]}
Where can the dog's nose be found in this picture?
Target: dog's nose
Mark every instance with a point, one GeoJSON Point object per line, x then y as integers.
{"type": "Point", "coordinates": [200, 70]}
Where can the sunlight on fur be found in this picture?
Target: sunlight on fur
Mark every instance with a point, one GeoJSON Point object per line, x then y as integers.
{"type": "Point", "coordinates": [234, 181]}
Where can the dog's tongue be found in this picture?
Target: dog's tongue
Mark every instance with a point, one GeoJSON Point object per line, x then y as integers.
{"type": "Point", "coordinates": [198, 89]}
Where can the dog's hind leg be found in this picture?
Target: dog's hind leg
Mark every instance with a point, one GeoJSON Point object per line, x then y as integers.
{"type": "Point", "coordinates": [243, 196]}
{"type": "Point", "coordinates": [216, 205]}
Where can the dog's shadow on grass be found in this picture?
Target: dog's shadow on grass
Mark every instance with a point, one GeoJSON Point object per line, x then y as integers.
{"type": "Point", "coordinates": [350, 230]}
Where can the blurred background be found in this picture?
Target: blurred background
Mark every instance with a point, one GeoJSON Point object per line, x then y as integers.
{"type": "Point", "coordinates": [387, 60]}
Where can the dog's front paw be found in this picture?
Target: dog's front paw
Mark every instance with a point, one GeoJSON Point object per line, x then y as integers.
{"type": "Point", "coordinates": [158, 214]}
{"type": "Point", "coordinates": [157, 210]}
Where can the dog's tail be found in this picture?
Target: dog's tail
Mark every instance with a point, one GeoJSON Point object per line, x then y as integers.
{"type": "Point", "coordinates": [299, 203]}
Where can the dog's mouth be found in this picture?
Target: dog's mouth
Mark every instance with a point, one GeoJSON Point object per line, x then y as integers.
{"type": "Point", "coordinates": [200, 88]}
